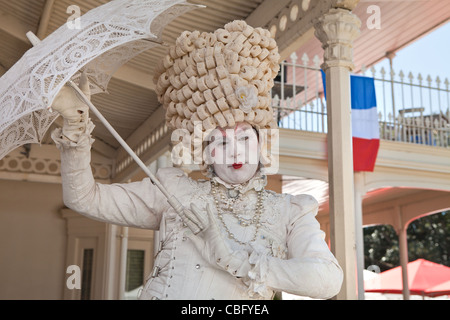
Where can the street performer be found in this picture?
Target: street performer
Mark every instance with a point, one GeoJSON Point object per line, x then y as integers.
{"type": "Point", "coordinates": [237, 239]}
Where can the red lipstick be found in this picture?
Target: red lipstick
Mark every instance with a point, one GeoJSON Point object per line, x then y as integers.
{"type": "Point", "coordinates": [237, 165]}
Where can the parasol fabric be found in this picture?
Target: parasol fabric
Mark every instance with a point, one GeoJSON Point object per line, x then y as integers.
{"type": "Point", "coordinates": [110, 35]}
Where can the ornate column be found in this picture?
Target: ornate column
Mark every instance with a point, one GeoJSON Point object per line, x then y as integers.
{"type": "Point", "coordinates": [336, 30]}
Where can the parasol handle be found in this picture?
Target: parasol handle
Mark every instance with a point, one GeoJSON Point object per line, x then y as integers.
{"type": "Point", "coordinates": [173, 201]}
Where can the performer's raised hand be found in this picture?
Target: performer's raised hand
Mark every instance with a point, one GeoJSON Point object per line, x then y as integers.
{"type": "Point", "coordinates": [74, 111]}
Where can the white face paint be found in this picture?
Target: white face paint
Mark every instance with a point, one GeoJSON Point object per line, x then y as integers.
{"type": "Point", "coordinates": [235, 153]}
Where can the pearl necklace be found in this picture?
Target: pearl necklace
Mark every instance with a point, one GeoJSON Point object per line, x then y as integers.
{"type": "Point", "coordinates": [230, 206]}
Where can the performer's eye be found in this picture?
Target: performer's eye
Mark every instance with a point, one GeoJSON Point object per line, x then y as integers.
{"type": "Point", "coordinates": [243, 138]}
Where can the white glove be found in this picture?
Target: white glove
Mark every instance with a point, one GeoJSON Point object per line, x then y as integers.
{"type": "Point", "coordinates": [214, 249]}
{"type": "Point", "coordinates": [74, 111]}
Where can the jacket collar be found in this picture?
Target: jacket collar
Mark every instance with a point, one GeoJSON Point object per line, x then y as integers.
{"type": "Point", "coordinates": [257, 182]}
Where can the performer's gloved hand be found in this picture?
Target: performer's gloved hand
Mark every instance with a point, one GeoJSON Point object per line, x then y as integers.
{"type": "Point", "coordinates": [74, 111]}
{"type": "Point", "coordinates": [210, 243]}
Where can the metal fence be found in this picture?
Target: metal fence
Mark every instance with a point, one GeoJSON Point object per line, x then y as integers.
{"type": "Point", "coordinates": [297, 97]}
{"type": "Point", "coordinates": [411, 109]}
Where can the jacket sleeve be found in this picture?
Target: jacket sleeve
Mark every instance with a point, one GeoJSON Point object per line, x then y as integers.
{"type": "Point", "coordinates": [137, 204]}
{"type": "Point", "coordinates": [310, 268]}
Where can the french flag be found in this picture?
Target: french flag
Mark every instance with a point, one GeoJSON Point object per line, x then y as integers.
{"type": "Point", "coordinates": [365, 128]}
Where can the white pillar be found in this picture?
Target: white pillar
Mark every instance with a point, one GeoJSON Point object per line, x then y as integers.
{"type": "Point", "coordinates": [110, 261]}
{"type": "Point", "coordinates": [359, 236]}
{"type": "Point", "coordinates": [123, 262]}
{"type": "Point", "coordinates": [403, 246]}
{"type": "Point", "coordinates": [401, 228]}
{"type": "Point", "coordinates": [336, 30]}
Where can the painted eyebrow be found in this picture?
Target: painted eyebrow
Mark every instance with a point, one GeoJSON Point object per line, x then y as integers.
{"type": "Point", "coordinates": [239, 128]}
{"type": "Point", "coordinates": [237, 131]}
{"type": "Point", "coordinates": [244, 130]}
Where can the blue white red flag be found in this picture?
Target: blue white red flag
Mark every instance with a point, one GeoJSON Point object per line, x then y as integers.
{"type": "Point", "coordinates": [365, 128]}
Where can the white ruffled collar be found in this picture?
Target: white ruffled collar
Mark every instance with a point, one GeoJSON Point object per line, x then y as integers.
{"type": "Point", "coordinates": [257, 182]}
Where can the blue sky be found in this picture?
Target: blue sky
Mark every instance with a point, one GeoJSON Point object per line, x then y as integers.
{"type": "Point", "coordinates": [430, 55]}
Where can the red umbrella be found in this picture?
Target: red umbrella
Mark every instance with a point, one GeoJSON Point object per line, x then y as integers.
{"type": "Point", "coordinates": [425, 278]}
{"type": "Point", "coordinates": [439, 290]}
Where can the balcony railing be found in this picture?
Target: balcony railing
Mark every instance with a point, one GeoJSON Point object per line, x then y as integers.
{"type": "Point", "coordinates": [411, 109]}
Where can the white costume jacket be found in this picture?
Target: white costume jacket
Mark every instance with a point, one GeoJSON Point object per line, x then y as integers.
{"type": "Point", "coordinates": [289, 253]}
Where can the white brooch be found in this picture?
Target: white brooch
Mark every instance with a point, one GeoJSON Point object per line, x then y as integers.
{"type": "Point", "coordinates": [248, 98]}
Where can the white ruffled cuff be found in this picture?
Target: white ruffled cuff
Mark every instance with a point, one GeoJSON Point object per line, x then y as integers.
{"type": "Point", "coordinates": [84, 139]}
{"type": "Point", "coordinates": [258, 274]}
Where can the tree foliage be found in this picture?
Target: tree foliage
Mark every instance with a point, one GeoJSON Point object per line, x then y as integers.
{"type": "Point", "coordinates": [428, 238]}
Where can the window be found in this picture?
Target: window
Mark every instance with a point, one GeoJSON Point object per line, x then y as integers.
{"type": "Point", "coordinates": [86, 274]}
{"type": "Point", "coordinates": [134, 273]}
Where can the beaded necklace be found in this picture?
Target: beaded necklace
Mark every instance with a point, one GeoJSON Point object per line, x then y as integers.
{"type": "Point", "coordinates": [233, 196]}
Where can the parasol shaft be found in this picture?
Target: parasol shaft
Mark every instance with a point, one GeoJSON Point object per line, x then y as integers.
{"type": "Point", "coordinates": [34, 41]}
{"type": "Point", "coordinates": [118, 137]}
{"type": "Point", "coordinates": [173, 201]}
{"type": "Point", "coordinates": [170, 198]}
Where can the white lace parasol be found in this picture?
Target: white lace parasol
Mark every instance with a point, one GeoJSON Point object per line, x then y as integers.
{"type": "Point", "coordinates": [109, 36]}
